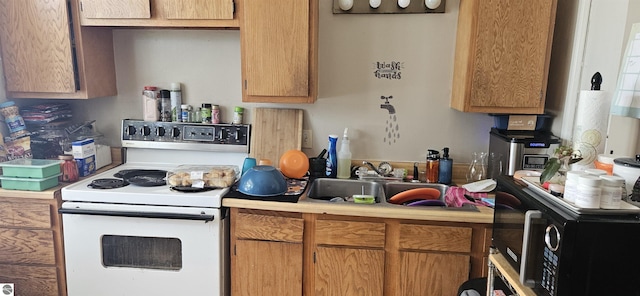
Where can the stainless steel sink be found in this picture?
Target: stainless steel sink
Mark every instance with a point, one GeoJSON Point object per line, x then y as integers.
{"type": "Point", "coordinates": [393, 188]}
{"type": "Point", "coordinates": [328, 189]}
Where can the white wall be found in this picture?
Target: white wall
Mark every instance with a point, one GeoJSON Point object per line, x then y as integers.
{"type": "Point", "coordinates": [207, 62]}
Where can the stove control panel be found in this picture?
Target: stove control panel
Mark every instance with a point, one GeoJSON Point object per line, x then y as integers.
{"type": "Point", "coordinates": [186, 136]}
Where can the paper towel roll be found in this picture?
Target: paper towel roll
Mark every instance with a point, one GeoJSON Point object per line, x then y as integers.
{"type": "Point", "coordinates": [590, 128]}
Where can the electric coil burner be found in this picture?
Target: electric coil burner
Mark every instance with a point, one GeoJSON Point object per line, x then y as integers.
{"type": "Point", "coordinates": [146, 238]}
{"type": "Point", "coordinates": [107, 183]}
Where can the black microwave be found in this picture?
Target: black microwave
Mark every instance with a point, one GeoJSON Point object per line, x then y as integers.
{"type": "Point", "coordinates": [557, 251]}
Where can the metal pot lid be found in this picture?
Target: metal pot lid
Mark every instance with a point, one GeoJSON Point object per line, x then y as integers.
{"type": "Point", "coordinates": [628, 162]}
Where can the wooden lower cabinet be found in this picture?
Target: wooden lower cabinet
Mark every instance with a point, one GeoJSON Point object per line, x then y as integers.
{"type": "Point", "coordinates": [266, 253]}
{"type": "Point", "coordinates": [31, 251]}
{"type": "Point", "coordinates": [280, 253]}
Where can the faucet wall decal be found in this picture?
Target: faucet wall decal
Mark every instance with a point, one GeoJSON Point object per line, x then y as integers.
{"type": "Point", "coordinates": [392, 129]}
{"type": "Point", "coordinates": [387, 105]}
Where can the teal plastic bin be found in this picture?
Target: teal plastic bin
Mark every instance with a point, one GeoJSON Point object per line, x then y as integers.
{"type": "Point", "coordinates": [30, 168]}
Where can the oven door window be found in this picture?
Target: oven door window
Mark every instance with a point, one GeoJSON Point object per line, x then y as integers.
{"type": "Point", "coordinates": [142, 252]}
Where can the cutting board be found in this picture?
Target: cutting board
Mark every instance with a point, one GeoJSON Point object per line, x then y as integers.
{"type": "Point", "coordinates": [275, 131]}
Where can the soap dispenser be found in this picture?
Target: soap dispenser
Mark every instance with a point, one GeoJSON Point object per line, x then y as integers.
{"type": "Point", "coordinates": [446, 167]}
{"type": "Point", "coordinates": [433, 164]}
{"type": "Point", "coordinates": [344, 157]}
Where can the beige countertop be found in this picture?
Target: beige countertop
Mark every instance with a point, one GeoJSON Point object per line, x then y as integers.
{"type": "Point", "coordinates": [306, 205]}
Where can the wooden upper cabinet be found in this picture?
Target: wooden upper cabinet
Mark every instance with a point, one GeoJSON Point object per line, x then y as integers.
{"type": "Point", "coordinates": [159, 13]}
{"type": "Point", "coordinates": [45, 53]}
{"type": "Point", "coordinates": [110, 9]}
{"type": "Point", "coordinates": [502, 56]}
{"type": "Point", "coordinates": [36, 46]}
{"type": "Point", "coordinates": [279, 51]}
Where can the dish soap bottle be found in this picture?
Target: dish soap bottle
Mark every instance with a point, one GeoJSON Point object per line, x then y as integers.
{"type": "Point", "coordinates": [433, 163]}
{"type": "Point", "coordinates": [332, 160]}
{"type": "Point", "coordinates": [344, 157]}
{"type": "Point", "coordinates": [446, 167]}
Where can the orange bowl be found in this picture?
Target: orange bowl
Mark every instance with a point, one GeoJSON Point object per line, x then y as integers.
{"type": "Point", "coordinates": [294, 164]}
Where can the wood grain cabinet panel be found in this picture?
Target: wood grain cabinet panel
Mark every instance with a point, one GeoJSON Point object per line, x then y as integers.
{"type": "Point", "coordinates": [199, 9]}
{"type": "Point", "coordinates": [31, 252]}
{"type": "Point", "coordinates": [435, 238]}
{"type": "Point", "coordinates": [31, 280]}
{"type": "Point", "coordinates": [36, 46]}
{"type": "Point", "coordinates": [111, 9]}
{"type": "Point", "coordinates": [349, 271]}
{"type": "Point", "coordinates": [267, 268]}
{"type": "Point", "coordinates": [350, 233]}
{"type": "Point", "coordinates": [159, 13]}
{"type": "Point", "coordinates": [432, 274]}
{"type": "Point", "coordinates": [25, 215]}
{"type": "Point", "coordinates": [267, 253]}
{"type": "Point", "coordinates": [279, 51]}
{"type": "Point", "coordinates": [46, 54]}
{"type": "Point", "coordinates": [502, 56]}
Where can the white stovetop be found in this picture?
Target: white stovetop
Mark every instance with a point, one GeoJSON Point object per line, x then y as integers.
{"type": "Point", "coordinates": [157, 195]}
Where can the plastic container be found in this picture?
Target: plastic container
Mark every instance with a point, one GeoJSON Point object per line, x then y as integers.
{"type": "Point", "coordinates": [13, 119]}
{"type": "Point", "coordinates": [589, 192]}
{"type": "Point", "coordinates": [150, 104]}
{"type": "Point", "coordinates": [332, 161]}
{"type": "Point", "coordinates": [571, 185]}
{"type": "Point", "coordinates": [212, 176]}
{"type": "Point", "coordinates": [215, 114]}
{"type": "Point", "coordinates": [29, 183]}
{"type": "Point", "coordinates": [30, 168]}
{"type": "Point", "coordinates": [543, 122]}
{"type": "Point", "coordinates": [605, 162]}
{"type": "Point", "coordinates": [205, 113]}
{"type": "Point", "coordinates": [611, 192]}
{"type": "Point", "coordinates": [344, 157]}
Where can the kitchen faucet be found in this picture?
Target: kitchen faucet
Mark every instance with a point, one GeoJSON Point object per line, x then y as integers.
{"type": "Point", "coordinates": [386, 104]}
{"type": "Point", "coordinates": [364, 162]}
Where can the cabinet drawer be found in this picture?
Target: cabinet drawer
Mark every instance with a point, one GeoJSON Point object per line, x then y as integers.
{"type": "Point", "coordinates": [273, 228]}
{"type": "Point", "coordinates": [37, 215]}
{"type": "Point", "coordinates": [435, 238]}
{"type": "Point", "coordinates": [31, 280]}
{"type": "Point", "coordinates": [350, 233]}
{"type": "Point", "coordinates": [26, 246]}
{"type": "Point", "coordinates": [115, 9]}
{"type": "Point", "coordinates": [198, 9]}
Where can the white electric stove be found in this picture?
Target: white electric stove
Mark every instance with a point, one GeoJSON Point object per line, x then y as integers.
{"type": "Point", "coordinates": [153, 240]}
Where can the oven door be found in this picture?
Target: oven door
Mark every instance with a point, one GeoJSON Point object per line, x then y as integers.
{"type": "Point", "coordinates": [113, 249]}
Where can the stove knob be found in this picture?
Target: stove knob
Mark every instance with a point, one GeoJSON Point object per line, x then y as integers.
{"type": "Point", "coordinates": [238, 135]}
{"type": "Point", "coordinates": [222, 134]}
{"type": "Point", "coordinates": [146, 130]}
{"type": "Point", "coordinates": [131, 130]}
{"type": "Point", "coordinates": [175, 132]}
{"type": "Point", "coordinates": [160, 131]}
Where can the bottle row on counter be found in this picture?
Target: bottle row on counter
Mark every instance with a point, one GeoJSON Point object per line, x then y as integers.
{"type": "Point", "coordinates": [166, 105]}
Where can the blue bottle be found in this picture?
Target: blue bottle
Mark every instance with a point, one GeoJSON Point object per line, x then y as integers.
{"type": "Point", "coordinates": [332, 160]}
{"type": "Point", "coordinates": [446, 167]}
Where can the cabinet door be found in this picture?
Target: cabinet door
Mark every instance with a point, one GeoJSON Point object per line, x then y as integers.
{"type": "Point", "coordinates": [36, 46]}
{"type": "Point", "coordinates": [275, 48]}
{"type": "Point", "coordinates": [31, 280]}
{"type": "Point", "coordinates": [267, 268]}
{"type": "Point", "coordinates": [198, 9]}
{"type": "Point", "coordinates": [432, 274]}
{"type": "Point", "coordinates": [502, 55]}
{"type": "Point", "coordinates": [110, 9]}
{"type": "Point", "coordinates": [349, 271]}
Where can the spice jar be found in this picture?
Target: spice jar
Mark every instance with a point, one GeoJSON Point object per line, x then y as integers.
{"type": "Point", "coordinates": [165, 105]}
{"type": "Point", "coordinates": [215, 114]}
{"type": "Point", "coordinates": [69, 168]}
{"type": "Point", "coordinates": [150, 104]}
{"type": "Point", "coordinates": [14, 121]}
{"type": "Point", "coordinates": [237, 115]}
{"type": "Point", "coordinates": [206, 113]}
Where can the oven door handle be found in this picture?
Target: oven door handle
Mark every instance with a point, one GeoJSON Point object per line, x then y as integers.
{"type": "Point", "coordinates": [132, 214]}
{"type": "Point", "coordinates": [527, 244]}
